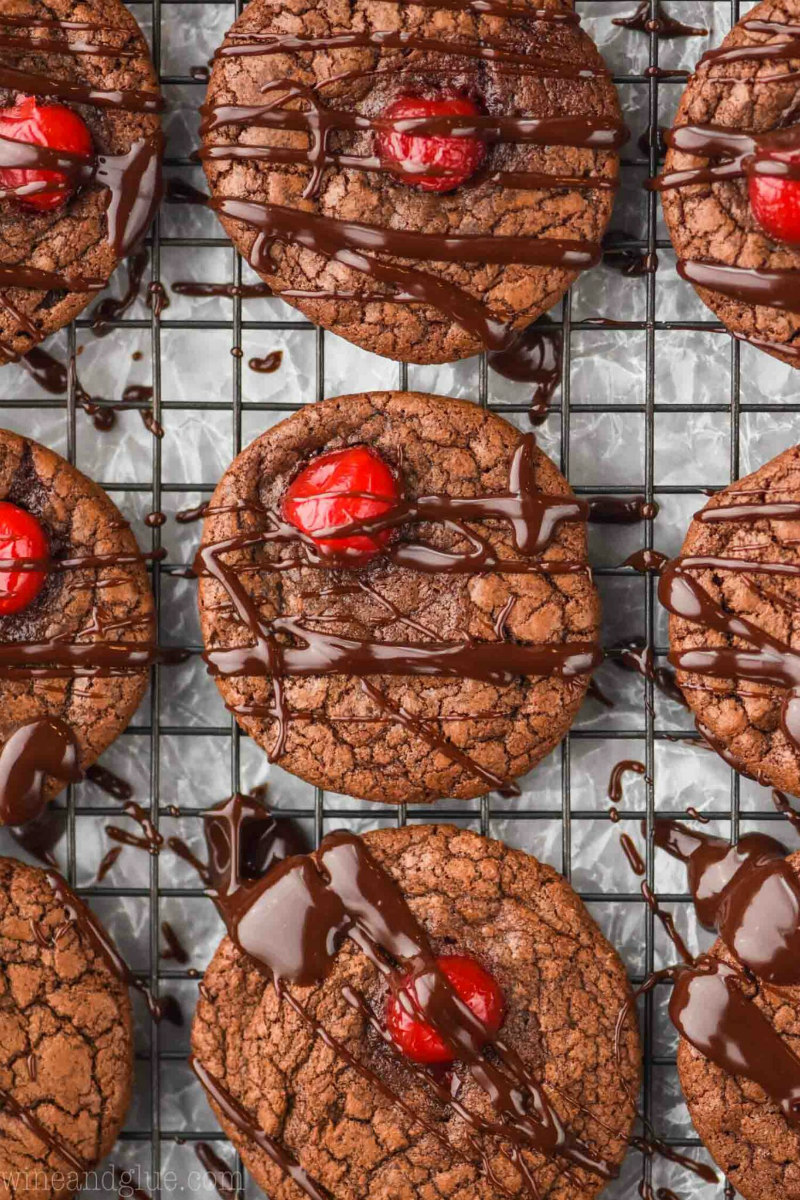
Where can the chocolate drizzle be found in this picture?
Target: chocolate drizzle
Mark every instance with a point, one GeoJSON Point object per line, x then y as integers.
{"type": "Point", "coordinates": [365, 248]}
{"type": "Point", "coordinates": [662, 25]}
{"type": "Point", "coordinates": [750, 894]}
{"type": "Point", "coordinates": [132, 178]}
{"type": "Point", "coordinates": [285, 646]}
{"type": "Point", "coordinates": [290, 923]}
{"type": "Point", "coordinates": [35, 750]}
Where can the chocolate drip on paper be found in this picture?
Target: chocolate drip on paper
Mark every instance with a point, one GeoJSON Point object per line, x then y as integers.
{"type": "Point", "coordinates": [267, 365]}
{"type": "Point", "coordinates": [217, 1170]}
{"type": "Point", "coordinates": [175, 947]}
{"type": "Point", "coordinates": [534, 357]}
{"type": "Point", "coordinates": [108, 782]}
{"type": "Point", "coordinates": [625, 767]}
{"type": "Point", "coordinates": [662, 25]}
{"type": "Point", "coordinates": [342, 892]}
{"type": "Point", "coordinates": [244, 841]}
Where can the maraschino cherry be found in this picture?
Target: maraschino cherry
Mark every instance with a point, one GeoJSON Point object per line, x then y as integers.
{"type": "Point", "coordinates": [21, 536]}
{"type": "Point", "coordinates": [337, 489]}
{"type": "Point", "coordinates": [453, 159]}
{"type": "Point", "coordinates": [52, 125]}
{"type": "Point", "coordinates": [476, 987]}
{"type": "Point", "coordinates": [775, 200]}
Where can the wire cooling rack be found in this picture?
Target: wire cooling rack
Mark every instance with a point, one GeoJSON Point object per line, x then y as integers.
{"type": "Point", "coordinates": [654, 398]}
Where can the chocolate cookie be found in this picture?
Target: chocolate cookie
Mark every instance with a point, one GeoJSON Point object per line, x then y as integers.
{"type": "Point", "coordinates": [78, 92]}
{"type": "Point", "coordinates": [748, 1135]}
{"type": "Point", "coordinates": [424, 179]}
{"type": "Point", "coordinates": [75, 635]}
{"type": "Point", "coordinates": [328, 1080]}
{"type": "Point", "coordinates": [728, 186]}
{"type": "Point", "coordinates": [734, 595]}
{"type": "Point", "coordinates": [440, 650]}
{"type": "Point", "coordinates": [66, 1038]}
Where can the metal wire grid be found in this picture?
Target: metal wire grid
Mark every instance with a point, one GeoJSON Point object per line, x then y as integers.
{"type": "Point", "coordinates": [162, 1061]}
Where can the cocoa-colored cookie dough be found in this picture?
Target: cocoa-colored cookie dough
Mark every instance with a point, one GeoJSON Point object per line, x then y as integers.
{"type": "Point", "coordinates": [66, 1041]}
{"type": "Point", "coordinates": [742, 716]}
{"type": "Point", "coordinates": [374, 77]}
{"type": "Point", "coordinates": [745, 1132]}
{"type": "Point", "coordinates": [71, 240]}
{"type": "Point", "coordinates": [112, 602]}
{"type": "Point", "coordinates": [563, 985]}
{"type": "Point", "coordinates": [337, 736]}
{"type": "Point", "coordinates": [714, 222]}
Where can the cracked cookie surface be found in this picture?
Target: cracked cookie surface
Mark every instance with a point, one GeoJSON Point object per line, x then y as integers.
{"type": "Point", "coordinates": [338, 738]}
{"type": "Point", "coordinates": [714, 222]}
{"type": "Point", "coordinates": [374, 77]}
{"type": "Point", "coordinates": [745, 1131]}
{"type": "Point", "coordinates": [563, 984]}
{"type": "Point", "coordinates": [111, 602]}
{"type": "Point", "coordinates": [66, 1041]}
{"type": "Point", "coordinates": [71, 239]}
{"type": "Point", "coordinates": [743, 716]}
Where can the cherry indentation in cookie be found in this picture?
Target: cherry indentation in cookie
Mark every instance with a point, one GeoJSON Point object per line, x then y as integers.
{"type": "Point", "coordinates": [775, 199]}
{"type": "Point", "coordinates": [51, 125]}
{"type": "Point", "coordinates": [452, 160]}
{"type": "Point", "coordinates": [472, 984]}
{"type": "Point", "coordinates": [21, 536]}
{"type": "Point", "coordinates": [336, 490]}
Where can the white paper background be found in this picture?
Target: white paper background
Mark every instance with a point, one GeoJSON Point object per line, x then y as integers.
{"type": "Point", "coordinates": [191, 757]}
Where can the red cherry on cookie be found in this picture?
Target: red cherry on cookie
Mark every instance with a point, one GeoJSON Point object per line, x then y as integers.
{"type": "Point", "coordinates": [337, 489]}
{"type": "Point", "coordinates": [476, 987]}
{"type": "Point", "coordinates": [50, 125]}
{"type": "Point", "coordinates": [776, 201]}
{"type": "Point", "coordinates": [21, 536]}
{"type": "Point", "coordinates": [453, 159]}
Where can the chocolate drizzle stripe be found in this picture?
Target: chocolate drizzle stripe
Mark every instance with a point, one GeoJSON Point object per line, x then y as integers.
{"type": "Point", "coordinates": [322, 234]}
{"type": "Point", "coordinates": [37, 85]}
{"type": "Point", "coordinates": [426, 731]}
{"type": "Point", "coordinates": [34, 1126]}
{"type": "Point", "coordinates": [752, 285]}
{"type": "Point", "coordinates": [789, 49]}
{"type": "Point", "coordinates": [339, 241]}
{"type": "Point", "coordinates": [233, 1112]}
{"type": "Point", "coordinates": [83, 920]}
{"type": "Point", "coordinates": [54, 46]}
{"type": "Point", "coordinates": [521, 180]}
{"type": "Point", "coordinates": [587, 133]}
{"type": "Point", "coordinates": [486, 49]}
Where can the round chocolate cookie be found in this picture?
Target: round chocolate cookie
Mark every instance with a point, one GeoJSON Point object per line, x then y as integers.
{"type": "Point", "coordinates": [421, 179]}
{"type": "Point", "coordinates": [727, 194]}
{"type": "Point", "coordinates": [76, 637]}
{"type": "Point", "coordinates": [74, 78]}
{"type": "Point", "coordinates": [66, 1041]}
{"type": "Point", "coordinates": [745, 1131]}
{"type": "Point", "coordinates": [391, 1127]}
{"type": "Point", "coordinates": [733, 595]}
{"type": "Point", "coordinates": [443, 655]}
